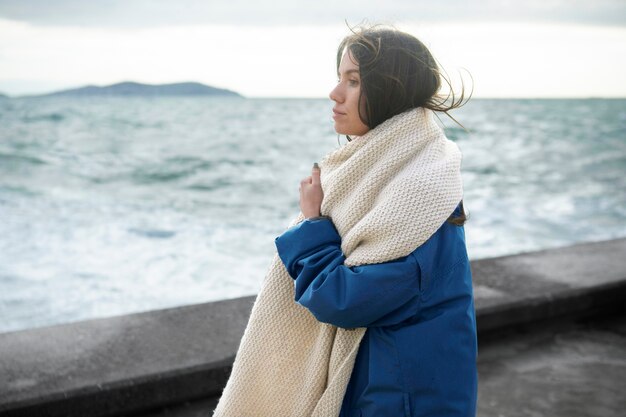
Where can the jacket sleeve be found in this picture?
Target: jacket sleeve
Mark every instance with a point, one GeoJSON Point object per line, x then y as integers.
{"type": "Point", "coordinates": [360, 296]}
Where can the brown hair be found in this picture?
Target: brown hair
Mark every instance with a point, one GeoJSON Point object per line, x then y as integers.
{"type": "Point", "coordinates": [398, 73]}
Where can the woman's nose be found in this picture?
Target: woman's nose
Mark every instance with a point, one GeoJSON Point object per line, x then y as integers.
{"type": "Point", "coordinates": [334, 94]}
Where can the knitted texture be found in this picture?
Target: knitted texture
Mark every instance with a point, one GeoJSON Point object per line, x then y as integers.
{"type": "Point", "coordinates": [387, 192]}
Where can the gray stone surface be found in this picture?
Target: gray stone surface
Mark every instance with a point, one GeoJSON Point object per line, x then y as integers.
{"type": "Point", "coordinates": [118, 364]}
{"type": "Point", "coordinates": [128, 363]}
{"type": "Point", "coordinates": [558, 369]}
{"type": "Point", "coordinates": [200, 408]}
{"type": "Point", "coordinates": [568, 369]}
{"type": "Point", "coordinates": [521, 288]}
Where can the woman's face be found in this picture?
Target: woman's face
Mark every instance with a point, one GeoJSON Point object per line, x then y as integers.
{"type": "Point", "coordinates": [346, 98]}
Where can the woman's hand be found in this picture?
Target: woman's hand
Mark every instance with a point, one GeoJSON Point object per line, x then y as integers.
{"type": "Point", "coordinates": [311, 194]}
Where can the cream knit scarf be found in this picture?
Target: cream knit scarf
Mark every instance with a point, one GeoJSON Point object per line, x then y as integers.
{"type": "Point", "coordinates": [387, 192]}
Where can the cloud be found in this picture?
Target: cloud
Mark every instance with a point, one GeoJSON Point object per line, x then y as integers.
{"type": "Point", "coordinates": [504, 59]}
{"type": "Point", "coordinates": [159, 13]}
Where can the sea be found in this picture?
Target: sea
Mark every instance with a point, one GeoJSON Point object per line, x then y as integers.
{"type": "Point", "coordinates": [115, 205]}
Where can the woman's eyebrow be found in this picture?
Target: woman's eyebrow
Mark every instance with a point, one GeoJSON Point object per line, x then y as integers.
{"type": "Point", "coordinates": [349, 71]}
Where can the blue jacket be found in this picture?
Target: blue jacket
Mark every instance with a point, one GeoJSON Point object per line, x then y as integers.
{"type": "Point", "coordinates": [418, 355]}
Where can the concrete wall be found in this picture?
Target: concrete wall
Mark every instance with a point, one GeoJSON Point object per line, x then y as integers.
{"type": "Point", "coordinates": [132, 363]}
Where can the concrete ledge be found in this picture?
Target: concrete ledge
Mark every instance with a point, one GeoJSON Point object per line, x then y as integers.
{"type": "Point", "coordinates": [121, 364]}
{"type": "Point", "coordinates": [133, 363]}
{"type": "Point", "coordinates": [576, 280]}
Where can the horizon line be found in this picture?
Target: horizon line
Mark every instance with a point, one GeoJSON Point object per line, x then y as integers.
{"type": "Point", "coordinates": [43, 95]}
{"type": "Point", "coordinates": [103, 85]}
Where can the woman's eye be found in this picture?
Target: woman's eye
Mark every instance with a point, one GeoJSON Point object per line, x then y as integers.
{"type": "Point", "coordinates": [352, 82]}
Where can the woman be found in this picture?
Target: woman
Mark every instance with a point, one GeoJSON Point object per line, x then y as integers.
{"type": "Point", "coordinates": [367, 309]}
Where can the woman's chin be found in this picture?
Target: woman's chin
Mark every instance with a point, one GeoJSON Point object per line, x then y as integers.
{"type": "Point", "coordinates": [341, 130]}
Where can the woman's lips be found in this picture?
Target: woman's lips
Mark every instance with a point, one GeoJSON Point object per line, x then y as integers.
{"type": "Point", "coordinates": [337, 114]}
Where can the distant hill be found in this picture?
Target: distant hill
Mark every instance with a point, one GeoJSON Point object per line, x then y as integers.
{"type": "Point", "coordinates": [3, 96]}
{"type": "Point", "coordinates": [129, 88]}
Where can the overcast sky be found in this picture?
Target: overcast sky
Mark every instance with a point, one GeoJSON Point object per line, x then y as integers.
{"type": "Point", "coordinates": [287, 48]}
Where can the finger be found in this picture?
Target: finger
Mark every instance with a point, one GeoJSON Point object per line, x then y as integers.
{"type": "Point", "coordinates": [315, 174]}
